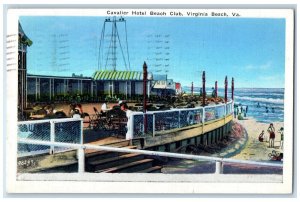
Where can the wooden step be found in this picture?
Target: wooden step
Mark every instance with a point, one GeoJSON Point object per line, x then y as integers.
{"type": "Point", "coordinates": [155, 169]}
{"type": "Point", "coordinates": [123, 143]}
{"type": "Point", "coordinates": [99, 155]}
{"type": "Point", "coordinates": [113, 162]}
{"type": "Point", "coordinates": [111, 143]}
{"type": "Point", "coordinates": [130, 167]}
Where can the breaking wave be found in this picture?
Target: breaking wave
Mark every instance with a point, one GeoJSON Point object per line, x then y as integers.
{"type": "Point", "coordinates": [254, 99]}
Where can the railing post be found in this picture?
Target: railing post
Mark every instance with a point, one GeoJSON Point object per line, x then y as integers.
{"type": "Point", "coordinates": [81, 131]}
{"type": "Point", "coordinates": [80, 157]}
{"type": "Point", "coordinates": [153, 125]}
{"type": "Point", "coordinates": [219, 167]}
{"type": "Point", "coordinates": [179, 119]}
{"type": "Point", "coordinates": [203, 117]}
{"type": "Point", "coordinates": [225, 113]}
{"type": "Point", "coordinates": [52, 136]}
{"type": "Point", "coordinates": [144, 124]}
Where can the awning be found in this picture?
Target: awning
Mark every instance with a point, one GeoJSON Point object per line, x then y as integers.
{"type": "Point", "coordinates": [112, 75]}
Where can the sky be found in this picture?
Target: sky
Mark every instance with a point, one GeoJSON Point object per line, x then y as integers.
{"type": "Point", "coordinates": [252, 50]}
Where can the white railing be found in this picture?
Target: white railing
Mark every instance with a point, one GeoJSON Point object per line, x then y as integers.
{"type": "Point", "coordinates": [174, 118]}
{"type": "Point", "coordinates": [81, 154]}
{"type": "Point", "coordinates": [67, 130]}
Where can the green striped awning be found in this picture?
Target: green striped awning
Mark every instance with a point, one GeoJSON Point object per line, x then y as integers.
{"type": "Point", "coordinates": [118, 75]}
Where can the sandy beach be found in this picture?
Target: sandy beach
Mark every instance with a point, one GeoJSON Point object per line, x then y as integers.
{"type": "Point", "coordinates": [254, 149]}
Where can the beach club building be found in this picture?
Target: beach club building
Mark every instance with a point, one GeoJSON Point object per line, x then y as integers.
{"type": "Point", "coordinates": [123, 84]}
{"type": "Point", "coordinates": [163, 86]}
{"type": "Point", "coordinates": [102, 84]}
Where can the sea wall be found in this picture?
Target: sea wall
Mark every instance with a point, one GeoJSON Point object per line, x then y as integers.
{"type": "Point", "coordinates": [206, 134]}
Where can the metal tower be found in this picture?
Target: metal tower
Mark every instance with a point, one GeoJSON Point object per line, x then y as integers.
{"type": "Point", "coordinates": [114, 42]}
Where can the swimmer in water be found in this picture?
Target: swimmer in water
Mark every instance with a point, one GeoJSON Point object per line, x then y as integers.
{"type": "Point", "coordinates": [267, 110]}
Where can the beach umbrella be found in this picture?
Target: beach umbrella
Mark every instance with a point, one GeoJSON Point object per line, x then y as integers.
{"type": "Point", "coordinates": [203, 88]}
{"type": "Point", "coordinates": [226, 84]}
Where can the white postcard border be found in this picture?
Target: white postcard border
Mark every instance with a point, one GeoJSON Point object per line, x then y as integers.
{"type": "Point", "coordinates": [17, 186]}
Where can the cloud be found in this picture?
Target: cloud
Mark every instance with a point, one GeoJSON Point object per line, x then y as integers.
{"type": "Point", "coordinates": [265, 66]}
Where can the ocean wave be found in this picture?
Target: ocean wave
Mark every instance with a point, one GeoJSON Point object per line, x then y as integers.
{"type": "Point", "coordinates": [259, 94]}
{"type": "Point", "coordinates": [260, 89]}
{"type": "Point", "coordinates": [257, 99]}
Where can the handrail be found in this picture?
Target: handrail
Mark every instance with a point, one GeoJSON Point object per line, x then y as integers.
{"type": "Point", "coordinates": [81, 160]}
{"type": "Point", "coordinates": [48, 120]}
{"type": "Point", "coordinates": [226, 109]}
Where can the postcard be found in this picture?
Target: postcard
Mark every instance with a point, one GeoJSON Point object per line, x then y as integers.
{"type": "Point", "coordinates": [149, 100]}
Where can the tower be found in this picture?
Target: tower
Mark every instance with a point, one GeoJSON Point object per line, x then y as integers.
{"type": "Point", "coordinates": [110, 43]}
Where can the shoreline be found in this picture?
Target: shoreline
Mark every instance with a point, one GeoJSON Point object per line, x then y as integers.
{"type": "Point", "coordinates": [254, 149]}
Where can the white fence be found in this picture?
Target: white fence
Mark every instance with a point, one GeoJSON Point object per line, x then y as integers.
{"type": "Point", "coordinates": [175, 118]}
{"type": "Point", "coordinates": [81, 154]}
{"type": "Point", "coordinates": [70, 130]}
{"type": "Point", "coordinates": [67, 130]}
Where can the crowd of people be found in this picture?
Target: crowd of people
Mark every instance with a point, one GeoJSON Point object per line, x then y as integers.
{"type": "Point", "coordinates": [240, 110]}
{"type": "Point", "coordinates": [271, 130]}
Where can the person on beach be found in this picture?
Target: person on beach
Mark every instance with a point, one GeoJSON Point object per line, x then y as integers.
{"type": "Point", "coordinates": [244, 111]}
{"type": "Point", "coordinates": [261, 136]}
{"type": "Point", "coordinates": [280, 131]}
{"type": "Point", "coordinates": [271, 131]}
{"type": "Point", "coordinates": [235, 112]}
{"type": "Point", "coordinates": [213, 94]}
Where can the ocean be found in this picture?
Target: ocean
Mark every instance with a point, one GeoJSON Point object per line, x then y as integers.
{"type": "Point", "coordinates": [264, 104]}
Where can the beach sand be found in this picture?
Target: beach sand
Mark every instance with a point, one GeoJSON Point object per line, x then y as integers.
{"type": "Point", "coordinates": [255, 150]}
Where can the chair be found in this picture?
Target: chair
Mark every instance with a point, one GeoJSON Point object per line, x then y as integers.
{"type": "Point", "coordinates": [96, 112]}
{"type": "Point", "coordinates": [87, 121]}
{"type": "Point", "coordinates": [98, 121]}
